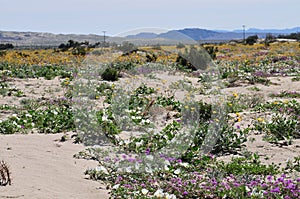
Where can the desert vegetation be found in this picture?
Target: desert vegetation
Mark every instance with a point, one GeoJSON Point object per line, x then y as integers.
{"type": "Point", "coordinates": [230, 104]}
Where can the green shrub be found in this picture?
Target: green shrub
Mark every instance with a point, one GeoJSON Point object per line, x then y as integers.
{"type": "Point", "coordinates": [251, 39]}
{"type": "Point", "coordinates": [110, 74]}
{"type": "Point", "coordinates": [180, 45]}
{"type": "Point", "coordinates": [211, 50]}
{"type": "Point", "coordinates": [2, 53]}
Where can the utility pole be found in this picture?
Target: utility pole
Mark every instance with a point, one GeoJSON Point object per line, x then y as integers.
{"type": "Point", "coordinates": [104, 38]}
{"type": "Point", "coordinates": [244, 34]}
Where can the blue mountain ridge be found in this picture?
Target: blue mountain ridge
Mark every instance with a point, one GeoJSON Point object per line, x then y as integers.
{"type": "Point", "coordinates": [204, 34]}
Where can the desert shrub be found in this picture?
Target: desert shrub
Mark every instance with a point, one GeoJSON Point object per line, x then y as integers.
{"type": "Point", "coordinates": [126, 47]}
{"type": "Point", "coordinates": [251, 39]}
{"type": "Point", "coordinates": [151, 58]}
{"type": "Point", "coordinates": [6, 46]}
{"type": "Point", "coordinates": [212, 51]}
{"type": "Point", "coordinates": [79, 50]}
{"type": "Point", "coordinates": [110, 74]}
{"type": "Point", "coordinates": [180, 45]}
{"type": "Point", "coordinates": [269, 39]}
{"type": "Point", "coordinates": [2, 53]}
{"type": "Point", "coordinates": [156, 47]}
{"type": "Point", "coordinates": [194, 58]}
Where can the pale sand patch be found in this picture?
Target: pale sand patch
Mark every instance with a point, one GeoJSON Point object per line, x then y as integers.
{"type": "Point", "coordinates": [42, 167]}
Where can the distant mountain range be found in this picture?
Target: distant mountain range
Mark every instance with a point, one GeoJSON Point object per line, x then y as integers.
{"type": "Point", "coordinates": [204, 34]}
{"type": "Point", "coordinates": [143, 38]}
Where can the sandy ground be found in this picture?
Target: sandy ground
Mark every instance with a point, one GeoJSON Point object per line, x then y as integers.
{"type": "Point", "coordinates": [43, 167]}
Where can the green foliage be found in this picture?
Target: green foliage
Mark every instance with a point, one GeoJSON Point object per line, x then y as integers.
{"type": "Point", "coordinates": [151, 58]}
{"type": "Point", "coordinates": [2, 53]}
{"type": "Point", "coordinates": [169, 101]}
{"type": "Point", "coordinates": [126, 47]}
{"type": "Point", "coordinates": [284, 125]}
{"type": "Point", "coordinates": [247, 166]}
{"type": "Point", "coordinates": [228, 140]}
{"type": "Point", "coordinates": [51, 119]}
{"type": "Point", "coordinates": [286, 94]}
{"type": "Point", "coordinates": [212, 51]}
{"type": "Point", "coordinates": [35, 71]}
{"type": "Point", "coordinates": [110, 74]}
{"type": "Point", "coordinates": [194, 58]}
{"type": "Point", "coordinates": [180, 45]}
{"type": "Point", "coordinates": [79, 50]}
{"type": "Point", "coordinates": [294, 165]}
{"type": "Point", "coordinates": [6, 46]}
{"type": "Point", "coordinates": [251, 39]}
{"type": "Point", "coordinates": [107, 122]}
{"type": "Point", "coordinates": [5, 90]}
{"type": "Point", "coordinates": [156, 47]}
{"type": "Point", "coordinates": [280, 128]}
{"type": "Point", "coordinates": [291, 36]}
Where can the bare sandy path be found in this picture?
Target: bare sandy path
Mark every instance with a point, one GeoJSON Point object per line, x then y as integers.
{"type": "Point", "coordinates": [43, 168]}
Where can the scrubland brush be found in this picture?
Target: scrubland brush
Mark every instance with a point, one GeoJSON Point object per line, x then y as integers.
{"type": "Point", "coordinates": [5, 178]}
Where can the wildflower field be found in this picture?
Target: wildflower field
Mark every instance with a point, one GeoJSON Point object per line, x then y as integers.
{"type": "Point", "coordinates": [161, 123]}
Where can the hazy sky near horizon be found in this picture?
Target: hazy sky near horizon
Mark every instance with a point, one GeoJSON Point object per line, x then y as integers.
{"type": "Point", "coordinates": [116, 16]}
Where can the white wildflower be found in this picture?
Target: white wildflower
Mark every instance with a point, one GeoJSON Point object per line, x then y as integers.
{"type": "Point", "coordinates": [116, 186]}
{"type": "Point", "coordinates": [126, 142]}
{"type": "Point", "coordinates": [150, 157]}
{"type": "Point", "coordinates": [166, 168]}
{"type": "Point", "coordinates": [169, 196]}
{"type": "Point", "coordinates": [28, 115]}
{"type": "Point", "coordinates": [101, 169]}
{"type": "Point", "coordinates": [184, 164]}
{"type": "Point", "coordinates": [128, 169]}
{"type": "Point", "coordinates": [138, 144]}
{"type": "Point", "coordinates": [177, 171]}
{"type": "Point", "coordinates": [159, 193]}
{"type": "Point", "coordinates": [144, 191]}
{"type": "Point", "coordinates": [104, 118]}
{"type": "Point", "coordinates": [148, 170]}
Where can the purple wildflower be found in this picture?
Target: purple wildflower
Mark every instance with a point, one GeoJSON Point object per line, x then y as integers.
{"type": "Point", "coordinates": [147, 152]}
{"type": "Point", "coordinates": [275, 190]}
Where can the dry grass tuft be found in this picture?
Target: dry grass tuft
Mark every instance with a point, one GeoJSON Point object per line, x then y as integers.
{"type": "Point", "coordinates": [5, 178]}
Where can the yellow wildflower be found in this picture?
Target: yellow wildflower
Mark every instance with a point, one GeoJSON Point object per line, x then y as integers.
{"type": "Point", "coordinates": [260, 119]}
{"type": "Point", "coordinates": [164, 81]}
{"type": "Point", "coordinates": [235, 95]}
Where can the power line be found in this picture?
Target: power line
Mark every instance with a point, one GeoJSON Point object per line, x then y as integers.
{"type": "Point", "coordinates": [104, 37]}
{"type": "Point", "coordinates": [244, 34]}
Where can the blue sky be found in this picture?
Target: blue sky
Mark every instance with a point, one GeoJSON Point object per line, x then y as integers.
{"type": "Point", "coordinates": [116, 16]}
